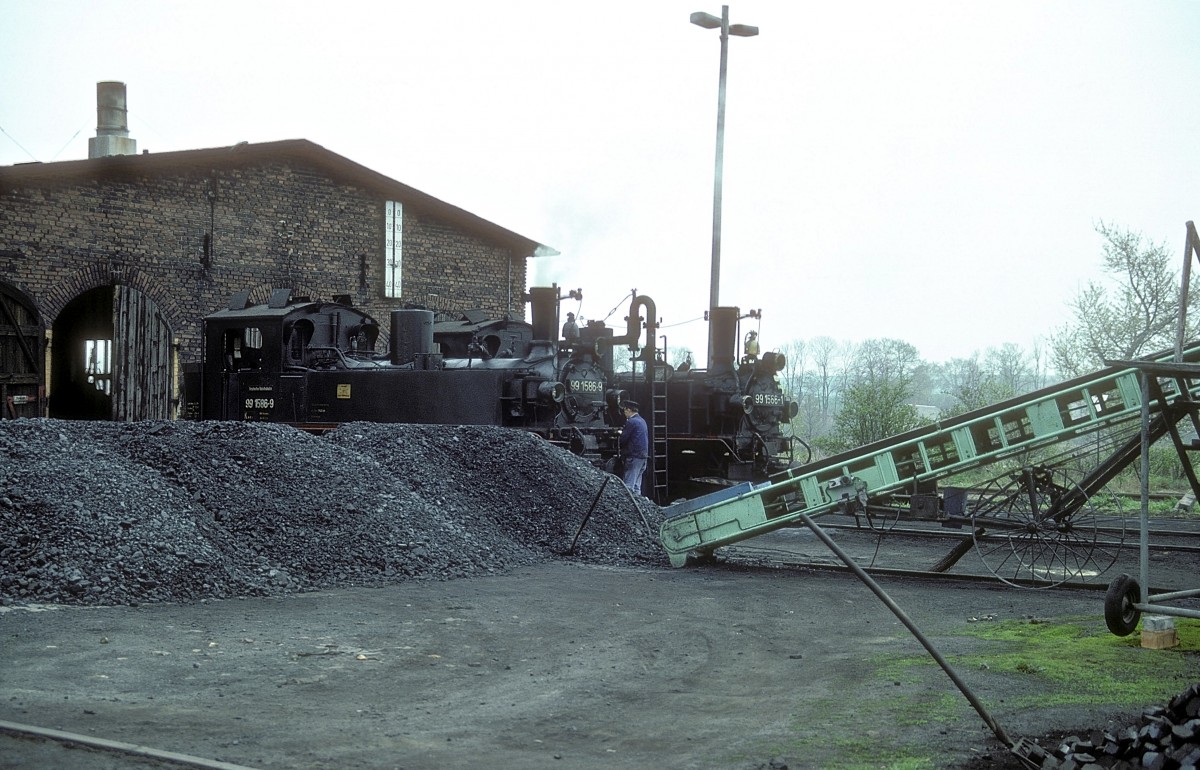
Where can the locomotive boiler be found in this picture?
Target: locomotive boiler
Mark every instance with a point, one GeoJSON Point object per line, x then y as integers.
{"type": "Point", "coordinates": [314, 364]}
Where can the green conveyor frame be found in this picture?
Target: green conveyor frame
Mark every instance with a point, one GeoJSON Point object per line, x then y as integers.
{"type": "Point", "coordinates": [1053, 415]}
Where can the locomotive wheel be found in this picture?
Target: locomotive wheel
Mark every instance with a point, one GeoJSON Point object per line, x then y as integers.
{"type": "Point", "coordinates": [1036, 529]}
{"type": "Point", "coordinates": [1120, 614]}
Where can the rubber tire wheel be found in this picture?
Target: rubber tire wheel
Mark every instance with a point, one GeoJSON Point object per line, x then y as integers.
{"type": "Point", "coordinates": [1120, 615]}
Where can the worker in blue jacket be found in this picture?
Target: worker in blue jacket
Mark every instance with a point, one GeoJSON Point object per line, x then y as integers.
{"type": "Point", "coordinates": [635, 446]}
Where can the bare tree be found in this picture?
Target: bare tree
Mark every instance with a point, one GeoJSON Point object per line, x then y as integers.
{"type": "Point", "coordinates": [1039, 366]}
{"type": "Point", "coordinates": [966, 382]}
{"type": "Point", "coordinates": [824, 354]}
{"type": "Point", "coordinates": [793, 379]}
{"type": "Point", "coordinates": [876, 405]}
{"type": "Point", "coordinates": [819, 406]}
{"type": "Point", "coordinates": [1135, 314]}
{"type": "Point", "coordinates": [1008, 365]}
{"type": "Point", "coordinates": [1003, 372]}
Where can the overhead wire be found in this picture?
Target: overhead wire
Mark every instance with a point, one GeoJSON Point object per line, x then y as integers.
{"type": "Point", "coordinates": [618, 306]}
{"type": "Point", "coordinates": [18, 144]}
{"type": "Point", "coordinates": [68, 144]}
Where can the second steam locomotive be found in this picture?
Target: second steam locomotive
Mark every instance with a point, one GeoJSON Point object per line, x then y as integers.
{"type": "Point", "coordinates": [314, 364]}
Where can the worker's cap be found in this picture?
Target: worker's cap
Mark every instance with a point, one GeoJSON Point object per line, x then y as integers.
{"type": "Point", "coordinates": [570, 315]}
{"type": "Point", "coordinates": [630, 405]}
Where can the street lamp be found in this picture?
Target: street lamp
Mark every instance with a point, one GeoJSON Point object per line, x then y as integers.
{"type": "Point", "coordinates": [708, 21]}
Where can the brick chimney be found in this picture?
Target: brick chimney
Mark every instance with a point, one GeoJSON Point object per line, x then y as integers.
{"type": "Point", "coordinates": [112, 127]}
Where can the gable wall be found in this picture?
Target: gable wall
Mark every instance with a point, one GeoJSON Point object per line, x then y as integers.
{"type": "Point", "coordinates": [279, 224]}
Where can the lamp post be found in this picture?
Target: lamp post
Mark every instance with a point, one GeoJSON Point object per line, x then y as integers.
{"type": "Point", "coordinates": [708, 21]}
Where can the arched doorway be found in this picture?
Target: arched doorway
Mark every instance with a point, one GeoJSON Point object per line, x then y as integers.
{"type": "Point", "coordinates": [22, 353]}
{"type": "Point", "coordinates": [111, 358]}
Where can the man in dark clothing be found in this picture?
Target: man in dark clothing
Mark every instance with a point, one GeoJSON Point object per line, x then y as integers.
{"type": "Point", "coordinates": [635, 447]}
{"type": "Point", "coordinates": [570, 330]}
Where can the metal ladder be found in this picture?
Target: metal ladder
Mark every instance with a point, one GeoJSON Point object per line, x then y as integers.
{"type": "Point", "coordinates": [658, 438]}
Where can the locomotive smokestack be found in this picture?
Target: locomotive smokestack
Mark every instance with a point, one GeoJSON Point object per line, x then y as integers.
{"type": "Point", "coordinates": [412, 335]}
{"type": "Point", "coordinates": [112, 127]}
{"type": "Point", "coordinates": [722, 330]}
{"type": "Point", "coordinates": [544, 302]}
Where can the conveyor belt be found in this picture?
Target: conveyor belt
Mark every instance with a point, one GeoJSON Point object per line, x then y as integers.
{"type": "Point", "coordinates": [1053, 415]}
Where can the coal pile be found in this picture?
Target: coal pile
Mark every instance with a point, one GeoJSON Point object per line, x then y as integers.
{"type": "Point", "coordinates": [1167, 739]}
{"type": "Point", "coordinates": [101, 513]}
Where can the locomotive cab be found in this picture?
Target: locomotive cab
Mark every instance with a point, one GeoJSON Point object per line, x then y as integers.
{"type": "Point", "coordinates": [254, 356]}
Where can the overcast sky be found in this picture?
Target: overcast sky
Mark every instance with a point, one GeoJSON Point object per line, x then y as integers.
{"type": "Point", "coordinates": [926, 171]}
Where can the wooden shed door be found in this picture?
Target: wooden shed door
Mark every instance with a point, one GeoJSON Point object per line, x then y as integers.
{"type": "Point", "coordinates": [22, 347]}
{"type": "Point", "coordinates": [143, 383]}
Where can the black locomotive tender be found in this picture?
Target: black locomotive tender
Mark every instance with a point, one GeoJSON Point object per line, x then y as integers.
{"type": "Point", "coordinates": [313, 364]}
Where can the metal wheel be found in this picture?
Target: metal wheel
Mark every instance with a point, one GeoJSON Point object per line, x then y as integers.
{"type": "Point", "coordinates": [1034, 528]}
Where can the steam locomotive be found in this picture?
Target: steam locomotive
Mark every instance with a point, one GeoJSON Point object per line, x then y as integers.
{"type": "Point", "coordinates": [718, 426]}
{"type": "Point", "coordinates": [313, 364]}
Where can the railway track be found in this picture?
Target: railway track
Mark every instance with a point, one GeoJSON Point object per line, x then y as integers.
{"type": "Point", "coordinates": [772, 558]}
{"type": "Point", "coordinates": [919, 550]}
{"type": "Point", "coordinates": [1186, 540]}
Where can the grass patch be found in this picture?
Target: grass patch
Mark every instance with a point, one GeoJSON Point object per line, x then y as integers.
{"type": "Point", "coordinates": [865, 755]}
{"type": "Point", "coordinates": [1072, 661]}
{"type": "Point", "coordinates": [925, 708]}
{"type": "Point", "coordinates": [1075, 661]}
{"type": "Point", "coordinates": [884, 739]}
{"type": "Point", "coordinates": [861, 754]}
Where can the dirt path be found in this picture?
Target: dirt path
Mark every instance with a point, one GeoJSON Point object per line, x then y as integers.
{"type": "Point", "coordinates": [553, 666]}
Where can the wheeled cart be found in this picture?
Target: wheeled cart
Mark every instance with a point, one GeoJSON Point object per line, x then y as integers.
{"type": "Point", "coordinates": [1128, 598]}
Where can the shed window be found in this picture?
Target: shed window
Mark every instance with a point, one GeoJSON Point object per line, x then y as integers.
{"type": "Point", "coordinates": [97, 362]}
{"type": "Point", "coordinates": [243, 348]}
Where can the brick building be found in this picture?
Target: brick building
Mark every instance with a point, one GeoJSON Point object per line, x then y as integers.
{"type": "Point", "coordinates": [108, 264]}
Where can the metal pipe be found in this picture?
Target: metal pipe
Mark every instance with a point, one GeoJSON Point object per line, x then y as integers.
{"type": "Point", "coordinates": [1190, 246]}
{"type": "Point", "coordinates": [862, 575]}
{"type": "Point", "coordinates": [1144, 474]}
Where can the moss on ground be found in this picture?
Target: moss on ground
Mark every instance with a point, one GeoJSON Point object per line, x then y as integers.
{"type": "Point", "coordinates": [1068, 662]}
{"type": "Point", "coordinates": [1079, 662]}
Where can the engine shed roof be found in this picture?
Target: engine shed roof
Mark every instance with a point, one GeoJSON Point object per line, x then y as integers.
{"type": "Point", "coordinates": [124, 167]}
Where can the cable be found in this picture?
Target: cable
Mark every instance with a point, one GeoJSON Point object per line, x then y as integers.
{"type": "Point", "coordinates": [681, 323]}
{"type": "Point", "coordinates": [65, 146]}
{"type": "Point", "coordinates": [18, 144]}
{"type": "Point", "coordinates": [617, 307]}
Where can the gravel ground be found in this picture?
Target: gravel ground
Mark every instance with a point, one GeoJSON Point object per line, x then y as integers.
{"type": "Point", "coordinates": [100, 513]}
